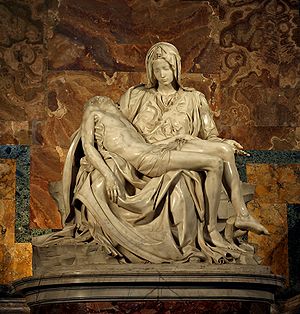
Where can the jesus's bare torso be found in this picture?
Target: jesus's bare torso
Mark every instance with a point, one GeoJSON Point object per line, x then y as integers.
{"type": "Point", "coordinates": [120, 136]}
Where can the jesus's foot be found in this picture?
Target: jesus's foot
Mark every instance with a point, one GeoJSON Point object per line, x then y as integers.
{"type": "Point", "coordinates": [249, 223]}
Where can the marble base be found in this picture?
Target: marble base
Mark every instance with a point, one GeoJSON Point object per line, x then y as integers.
{"type": "Point", "coordinates": [152, 282]}
{"type": "Point", "coordinates": [12, 303]}
{"type": "Point", "coordinates": [13, 306]}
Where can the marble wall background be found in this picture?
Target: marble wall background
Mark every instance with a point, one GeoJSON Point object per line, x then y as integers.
{"type": "Point", "coordinates": [243, 54]}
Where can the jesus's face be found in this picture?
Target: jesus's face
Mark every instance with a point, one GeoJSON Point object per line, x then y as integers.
{"type": "Point", "coordinates": [110, 107]}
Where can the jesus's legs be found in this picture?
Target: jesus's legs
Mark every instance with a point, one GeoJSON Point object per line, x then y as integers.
{"type": "Point", "coordinates": [213, 183]}
{"type": "Point", "coordinates": [231, 180]}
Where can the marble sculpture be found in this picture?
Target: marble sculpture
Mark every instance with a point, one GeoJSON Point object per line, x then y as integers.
{"type": "Point", "coordinates": [146, 178]}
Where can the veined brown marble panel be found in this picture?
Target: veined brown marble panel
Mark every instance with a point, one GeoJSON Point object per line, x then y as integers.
{"type": "Point", "coordinates": [288, 21]}
{"type": "Point", "coordinates": [257, 40]}
{"type": "Point", "coordinates": [268, 104]}
{"type": "Point", "coordinates": [251, 28]}
{"type": "Point", "coordinates": [262, 138]}
{"type": "Point", "coordinates": [44, 213]}
{"type": "Point", "coordinates": [15, 258]}
{"type": "Point", "coordinates": [115, 35]}
{"type": "Point", "coordinates": [257, 97]}
{"type": "Point", "coordinates": [7, 201]}
{"type": "Point", "coordinates": [289, 56]}
{"type": "Point", "coordinates": [15, 261]}
{"type": "Point", "coordinates": [15, 132]}
{"type": "Point", "coordinates": [7, 239]}
{"type": "Point", "coordinates": [209, 85]}
{"type": "Point", "coordinates": [7, 179]}
{"type": "Point", "coordinates": [272, 249]}
{"type": "Point", "coordinates": [46, 166]}
{"type": "Point", "coordinates": [276, 185]}
{"type": "Point", "coordinates": [255, 100]}
{"type": "Point", "coordinates": [21, 60]}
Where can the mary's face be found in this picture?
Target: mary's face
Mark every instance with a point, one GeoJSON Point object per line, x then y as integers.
{"type": "Point", "coordinates": [163, 72]}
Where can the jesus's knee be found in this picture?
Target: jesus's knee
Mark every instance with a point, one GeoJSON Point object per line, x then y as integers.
{"type": "Point", "coordinates": [226, 152]}
{"type": "Point", "coordinates": [216, 165]}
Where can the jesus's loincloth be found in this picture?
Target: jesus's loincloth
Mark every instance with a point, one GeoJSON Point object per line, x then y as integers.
{"type": "Point", "coordinates": [156, 161]}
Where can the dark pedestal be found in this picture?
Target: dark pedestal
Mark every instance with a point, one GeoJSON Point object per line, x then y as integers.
{"type": "Point", "coordinates": [156, 307]}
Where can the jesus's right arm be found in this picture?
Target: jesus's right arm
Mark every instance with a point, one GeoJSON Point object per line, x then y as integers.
{"type": "Point", "coordinates": [113, 186]}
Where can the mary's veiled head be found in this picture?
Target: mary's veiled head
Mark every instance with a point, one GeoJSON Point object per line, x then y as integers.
{"type": "Point", "coordinates": [169, 53]}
